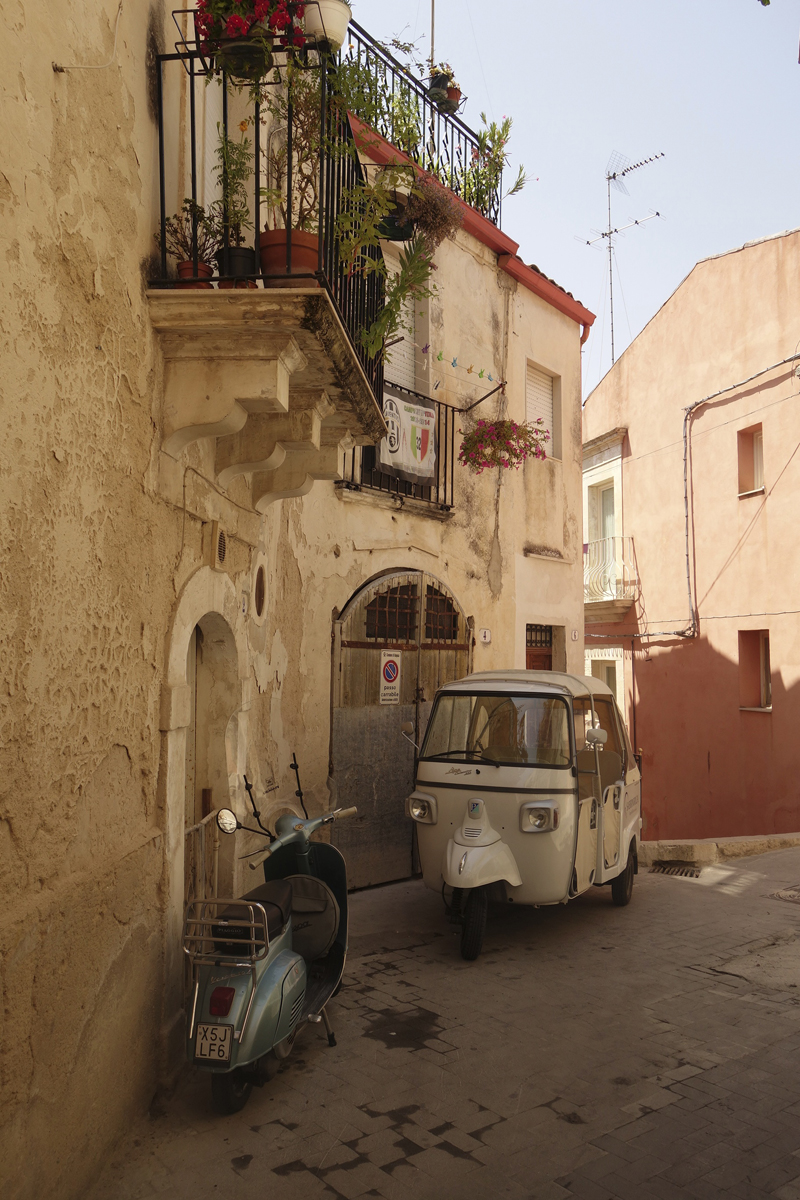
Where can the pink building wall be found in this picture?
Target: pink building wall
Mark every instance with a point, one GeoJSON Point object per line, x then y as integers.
{"type": "Point", "coordinates": [714, 763]}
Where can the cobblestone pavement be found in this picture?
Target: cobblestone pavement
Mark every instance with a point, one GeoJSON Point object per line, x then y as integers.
{"type": "Point", "coordinates": [592, 1051]}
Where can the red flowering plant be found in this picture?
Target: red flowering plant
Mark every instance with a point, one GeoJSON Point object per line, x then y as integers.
{"type": "Point", "coordinates": [502, 444]}
{"type": "Point", "coordinates": [220, 24]}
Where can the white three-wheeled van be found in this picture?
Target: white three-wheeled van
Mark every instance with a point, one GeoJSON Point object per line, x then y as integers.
{"type": "Point", "coordinates": [527, 790]}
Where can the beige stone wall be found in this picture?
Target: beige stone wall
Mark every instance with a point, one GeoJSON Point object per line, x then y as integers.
{"type": "Point", "coordinates": [104, 553]}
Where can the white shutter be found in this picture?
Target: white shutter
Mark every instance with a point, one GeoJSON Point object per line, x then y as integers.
{"type": "Point", "coordinates": [539, 398]}
{"type": "Point", "coordinates": [401, 358]}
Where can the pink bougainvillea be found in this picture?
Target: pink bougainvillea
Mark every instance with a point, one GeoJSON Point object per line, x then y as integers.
{"type": "Point", "coordinates": [502, 444]}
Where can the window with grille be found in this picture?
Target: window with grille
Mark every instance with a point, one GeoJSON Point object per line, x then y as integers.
{"type": "Point", "coordinates": [392, 615]}
{"type": "Point", "coordinates": [538, 637]}
{"type": "Point", "coordinates": [441, 617]}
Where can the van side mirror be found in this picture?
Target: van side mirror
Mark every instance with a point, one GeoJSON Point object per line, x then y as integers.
{"type": "Point", "coordinates": [596, 737]}
{"type": "Point", "coordinates": [407, 730]}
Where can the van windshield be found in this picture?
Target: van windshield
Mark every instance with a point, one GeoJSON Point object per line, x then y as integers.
{"type": "Point", "coordinates": [499, 728]}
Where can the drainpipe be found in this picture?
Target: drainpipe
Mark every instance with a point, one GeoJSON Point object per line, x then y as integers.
{"type": "Point", "coordinates": [585, 333]}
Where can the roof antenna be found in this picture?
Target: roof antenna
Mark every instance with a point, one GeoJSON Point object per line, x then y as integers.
{"type": "Point", "coordinates": [618, 167]}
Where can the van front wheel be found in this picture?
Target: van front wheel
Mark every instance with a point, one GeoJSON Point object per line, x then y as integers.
{"type": "Point", "coordinates": [622, 886]}
{"type": "Point", "coordinates": [474, 925]}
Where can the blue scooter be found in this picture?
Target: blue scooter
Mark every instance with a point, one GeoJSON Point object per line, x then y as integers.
{"type": "Point", "coordinates": [265, 962]}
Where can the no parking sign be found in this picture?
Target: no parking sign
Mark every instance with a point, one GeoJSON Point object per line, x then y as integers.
{"type": "Point", "coordinates": [389, 692]}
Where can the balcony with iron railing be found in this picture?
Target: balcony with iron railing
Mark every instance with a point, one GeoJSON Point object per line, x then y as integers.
{"type": "Point", "coordinates": [427, 487]}
{"type": "Point", "coordinates": [262, 327]}
{"type": "Point", "coordinates": [610, 579]}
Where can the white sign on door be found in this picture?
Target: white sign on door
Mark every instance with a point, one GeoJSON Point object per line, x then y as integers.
{"type": "Point", "coordinates": [390, 677]}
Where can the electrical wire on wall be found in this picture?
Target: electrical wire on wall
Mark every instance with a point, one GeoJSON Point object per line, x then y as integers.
{"type": "Point", "coordinates": [59, 69]}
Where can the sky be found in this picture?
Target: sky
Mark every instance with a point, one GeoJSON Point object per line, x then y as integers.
{"type": "Point", "coordinates": [712, 84]}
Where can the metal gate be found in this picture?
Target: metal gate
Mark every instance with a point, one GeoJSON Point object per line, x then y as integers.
{"type": "Point", "coordinates": [414, 615]}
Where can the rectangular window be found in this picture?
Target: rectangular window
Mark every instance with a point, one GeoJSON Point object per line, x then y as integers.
{"type": "Point", "coordinates": [542, 400]}
{"type": "Point", "coordinates": [751, 460]}
{"type": "Point", "coordinates": [755, 676]}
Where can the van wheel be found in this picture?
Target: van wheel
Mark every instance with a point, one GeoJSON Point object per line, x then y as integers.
{"type": "Point", "coordinates": [474, 925]}
{"type": "Point", "coordinates": [230, 1092]}
{"type": "Point", "coordinates": [622, 885]}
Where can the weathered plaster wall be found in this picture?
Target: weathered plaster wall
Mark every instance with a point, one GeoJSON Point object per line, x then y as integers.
{"type": "Point", "coordinates": [94, 552]}
{"type": "Point", "coordinates": [712, 769]}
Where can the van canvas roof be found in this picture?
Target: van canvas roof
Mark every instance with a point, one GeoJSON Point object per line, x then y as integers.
{"type": "Point", "coordinates": [534, 681]}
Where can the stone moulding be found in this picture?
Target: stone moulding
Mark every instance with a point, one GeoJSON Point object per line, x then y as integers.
{"type": "Point", "coordinates": [272, 376]}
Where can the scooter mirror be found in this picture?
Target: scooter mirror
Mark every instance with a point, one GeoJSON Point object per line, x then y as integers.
{"type": "Point", "coordinates": [407, 727]}
{"type": "Point", "coordinates": [226, 821]}
{"type": "Point", "coordinates": [596, 737]}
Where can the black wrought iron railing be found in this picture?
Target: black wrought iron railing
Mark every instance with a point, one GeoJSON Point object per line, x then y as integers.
{"type": "Point", "coordinates": [304, 166]}
{"type": "Point", "coordinates": [388, 98]}
{"type": "Point", "coordinates": [363, 466]}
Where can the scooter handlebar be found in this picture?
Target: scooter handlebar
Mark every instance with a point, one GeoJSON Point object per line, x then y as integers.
{"type": "Point", "coordinates": [304, 826]}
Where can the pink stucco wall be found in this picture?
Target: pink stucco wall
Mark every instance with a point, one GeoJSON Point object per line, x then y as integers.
{"type": "Point", "coordinates": [710, 767]}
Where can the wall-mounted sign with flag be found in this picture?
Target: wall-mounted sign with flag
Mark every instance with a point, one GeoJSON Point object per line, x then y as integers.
{"type": "Point", "coordinates": [409, 449]}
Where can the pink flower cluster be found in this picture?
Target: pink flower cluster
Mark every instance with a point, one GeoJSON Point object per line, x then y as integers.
{"type": "Point", "coordinates": [217, 19]}
{"type": "Point", "coordinates": [502, 444]}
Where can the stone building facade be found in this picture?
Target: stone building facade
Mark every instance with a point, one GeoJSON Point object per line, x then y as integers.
{"type": "Point", "coordinates": [184, 521]}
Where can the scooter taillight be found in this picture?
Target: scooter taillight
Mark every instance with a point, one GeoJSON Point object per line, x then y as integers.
{"type": "Point", "coordinates": [221, 1000]}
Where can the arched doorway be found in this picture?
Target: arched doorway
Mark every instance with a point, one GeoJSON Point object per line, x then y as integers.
{"type": "Point", "coordinates": [215, 697]}
{"type": "Point", "coordinates": [416, 617]}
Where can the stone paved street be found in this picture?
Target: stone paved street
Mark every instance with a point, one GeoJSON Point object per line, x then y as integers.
{"type": "Point", "coordinates": [592, 1051]}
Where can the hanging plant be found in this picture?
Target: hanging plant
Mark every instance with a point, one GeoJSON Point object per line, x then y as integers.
{"type": "Point", "coordinates": [502, 444]}
{"type": "Point", "coordinates": [239, 34]}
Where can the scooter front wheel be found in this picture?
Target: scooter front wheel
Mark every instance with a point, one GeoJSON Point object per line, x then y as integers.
{"type": "Point", "coordinates": [230, 1092]}
{"type": "Point", "coordinates": [474, 924]}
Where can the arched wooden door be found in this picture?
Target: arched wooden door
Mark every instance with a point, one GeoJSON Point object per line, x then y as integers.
{"type": "Point", "coordinates": [412, 618]}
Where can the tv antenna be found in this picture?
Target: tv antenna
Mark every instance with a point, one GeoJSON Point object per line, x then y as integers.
{"type": "Point", "coordinates": [618, 167]}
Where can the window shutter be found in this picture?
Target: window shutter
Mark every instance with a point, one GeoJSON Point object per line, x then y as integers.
{"type": "Point", "coordinates": [539, 398]}
{"type": "Point", "coordinates": [400, 358]}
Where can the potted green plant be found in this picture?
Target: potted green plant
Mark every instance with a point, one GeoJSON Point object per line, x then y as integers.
{"type": "Point", "coordinates": [327, 21]}
{"type": "Point", "coordinates": [502, 443]}
{"type": "Point", "coordinates": [303, 235]}
{"type": "Point", "coordinates": [231, 214]}
{"type": "Point", "coordinates": [439, 81]}
{"type": "Point", "coordinates": [188, 232]}
{"type": "Point", "coordinates": [238, 35]}
{"type": "Point", "coordinates": [484, 173]}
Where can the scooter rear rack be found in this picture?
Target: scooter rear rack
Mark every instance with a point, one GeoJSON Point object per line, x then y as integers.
{"type": "Point", "coordinates": [201, 940]}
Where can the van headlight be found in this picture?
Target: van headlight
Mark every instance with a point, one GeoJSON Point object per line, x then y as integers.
{"type": "Point", "coordinates": [539, 816]}
{"type": "Point", "coordinates": [422, 808]}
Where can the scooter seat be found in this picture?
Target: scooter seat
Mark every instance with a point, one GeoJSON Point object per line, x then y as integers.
{"type": "Point", "coordinates": [276, 898]}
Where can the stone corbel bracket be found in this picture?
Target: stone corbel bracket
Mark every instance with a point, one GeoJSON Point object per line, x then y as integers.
{"type": "Point", "coordinates": [233, 362]}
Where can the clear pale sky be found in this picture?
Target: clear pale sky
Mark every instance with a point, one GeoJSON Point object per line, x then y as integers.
{"type": "Point", "coordinates": [714, 84]}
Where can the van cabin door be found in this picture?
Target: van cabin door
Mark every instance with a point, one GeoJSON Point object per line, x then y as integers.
{"type": "Point", "coordinates": [588, 799]}
{"type": "Point", "coordinates": [412, 618]}
{"type": "Point", "coordinates": [611, 759]}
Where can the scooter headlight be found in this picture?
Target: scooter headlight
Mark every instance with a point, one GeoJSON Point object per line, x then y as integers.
{"type": "Point", "coordinates": [422, 808]}
{"type": "Point", "coordinates": [538, 818]}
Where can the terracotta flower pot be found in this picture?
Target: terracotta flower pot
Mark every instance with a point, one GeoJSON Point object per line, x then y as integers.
{"type": "Point", "coordinates": [305, 258]}
{"type": "Point", "coordinates": [187, 276]}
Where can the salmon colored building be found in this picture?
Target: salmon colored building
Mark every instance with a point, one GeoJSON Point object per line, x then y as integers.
{"type": "Point", "coordinates": [691, 533]}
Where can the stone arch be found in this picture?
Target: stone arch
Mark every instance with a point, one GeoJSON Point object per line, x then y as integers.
{"type": "Point", "coordinates": [208, 600]}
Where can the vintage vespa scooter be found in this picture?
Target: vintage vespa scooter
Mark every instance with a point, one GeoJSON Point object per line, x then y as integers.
{"type": "Point", "coordinates": [264, 963]}
{"type": "Point", "coordinates": [527, 791]}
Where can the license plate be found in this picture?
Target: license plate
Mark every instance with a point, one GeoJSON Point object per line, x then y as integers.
{"type": "Point", "coordinates": [213, 1042]}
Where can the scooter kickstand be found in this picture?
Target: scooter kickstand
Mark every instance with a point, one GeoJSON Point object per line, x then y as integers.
{"type": "Point", "coordinates": [328, 1027]}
